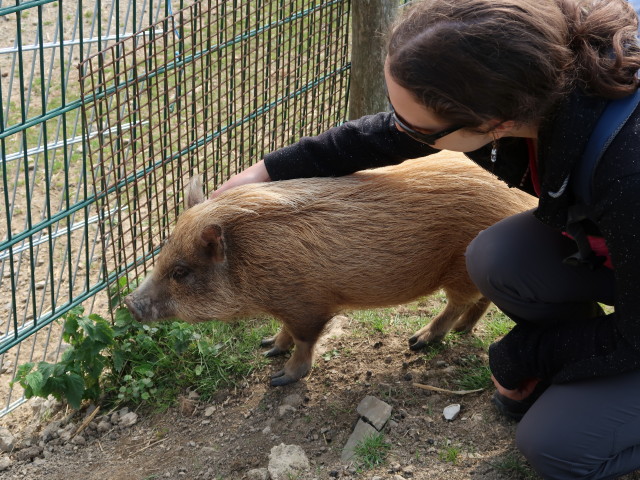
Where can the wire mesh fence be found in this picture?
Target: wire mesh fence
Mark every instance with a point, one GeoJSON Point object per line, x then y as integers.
{"type": "Point", "coordinates": [220, 85]}
{"type": "Point", "coordinates": [87, 198]}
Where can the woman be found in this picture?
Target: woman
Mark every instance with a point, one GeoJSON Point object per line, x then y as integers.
{"type": "Point", "coordinates": [518, 85]}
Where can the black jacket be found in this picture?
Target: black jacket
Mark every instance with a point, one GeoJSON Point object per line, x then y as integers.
{"type": "Point", "coordinates": [575, 348]}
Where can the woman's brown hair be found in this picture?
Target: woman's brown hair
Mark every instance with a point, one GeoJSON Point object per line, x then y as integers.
{"type": "Point", "coordinates": [476, 60]}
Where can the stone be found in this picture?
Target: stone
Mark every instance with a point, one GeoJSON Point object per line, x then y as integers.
{"type": "Point", "coordinates": [28, 454]}
{"type": "Point", "coordinates": [285, 409]}
{"type": "Point", "coordinates": [287, 461]}
{"type": "Point", "coordinates": [375, 411]}
{"type": "Point", "coordinates": [7, 440]}
{"type": "Point", "coordinates": [450, 412]}
{"type": "Point", "coordinates": [294, 400]}
{"type": "Point", "coordinates": [362, 431]}
{"type": "Point", "coordinates": [257, 474]}
{"type": "Point", "coordinates": [5, 463]}
{"type": "Point", "coordinates": [128, 419]}
{"type": "Point", "coordinates": [104, 426]}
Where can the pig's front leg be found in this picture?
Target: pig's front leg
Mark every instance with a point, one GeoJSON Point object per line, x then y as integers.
{"type": "Point", "coordinates": [282, 343]}
{"type": "Point", "coordinates": [297, 366]}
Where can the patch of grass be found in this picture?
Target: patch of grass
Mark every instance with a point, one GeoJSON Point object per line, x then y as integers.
{"type": "Point", "coordinates": [148, 365]}
{"type": "Point", "coordinates": [376, 320]}
{"type": "Point", "coordinates": [495, 325]}
{"type": "Point", "coordinates": [450, 454]}
{"type": "Point", "coordinates": [512, 466]}
{"type": "Point", "coordinates": [435, 349]}
{"type": "Point", "coordinates": [474, 374]}
{"type": "Point", "coordinates": [155, 363]}
{"type": "Point", "coordinates": [372, 451]}
{"type": "Point", "coordinates": [327, 356]}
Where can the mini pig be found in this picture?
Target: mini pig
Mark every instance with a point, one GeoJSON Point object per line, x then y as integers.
{"type": "Point", "coordinates": [302, 250]}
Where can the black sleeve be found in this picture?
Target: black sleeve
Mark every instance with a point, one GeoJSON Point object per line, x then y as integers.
{"type": "Point", "coordinates": [372, 141]}
{"type": "Point", "coordinates": [584, 348]}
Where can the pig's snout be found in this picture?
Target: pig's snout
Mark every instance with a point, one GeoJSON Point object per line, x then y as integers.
{"type": "Point", "coordinates": [130, 302]}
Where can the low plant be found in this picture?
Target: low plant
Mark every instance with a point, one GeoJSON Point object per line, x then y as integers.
{"type": "Point", "coordinates": [474, 374]}
{"type": "Point", "coordinates": [77, 376]}
{"type": "Point", "coordinates": [372, 451]}
{"type": "Point", "coordinates": [514, 466]}
{"type": "Point", "coordinates": [130, 363]}
{"type": "Point", "coordinates": [450, 454]}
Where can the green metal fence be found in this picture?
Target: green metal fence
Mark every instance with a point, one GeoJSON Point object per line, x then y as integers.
{"type": "Point", "coordinates": [106, 109]}
{"type": "Point", "coordinates": [223, 84]}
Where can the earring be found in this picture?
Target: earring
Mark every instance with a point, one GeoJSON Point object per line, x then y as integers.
{"type": "Point", "coordinates": [494, 150]}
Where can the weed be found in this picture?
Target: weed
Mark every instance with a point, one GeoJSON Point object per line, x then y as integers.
{"type": "Point", "coordinates": [327, 356]}
{"type": "Point", "coordinates": [511, 466]}
{"type": "Point", "coordinates": [76, 376]}
{"type": "Point", "coordinates": [495, 325]}
{"type": "Point", "coordinates": [377, 320]}
{"type": "Point", "coordinates": [450, 454]}
{"type": "Point", "coordinates": [474, 374]}
{"type": "Point", "coordinates": [131, 363]}
{"type": "Point", "coordinates": [372, 451]}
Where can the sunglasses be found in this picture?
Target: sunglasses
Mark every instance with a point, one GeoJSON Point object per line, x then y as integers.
{"type": "Point", "coordinates": [428, 138]}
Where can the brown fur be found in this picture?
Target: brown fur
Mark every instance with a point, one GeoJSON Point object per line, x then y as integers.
{"type": "Point", "coordinates": [302, 250]}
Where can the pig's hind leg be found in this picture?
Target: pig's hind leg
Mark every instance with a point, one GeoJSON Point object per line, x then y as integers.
{"type": "Point", "coordinates": [439, 326]}
{"type": "Point", "coordinates": [281, 343]}
{"type": "Point", "coordinates": [474, 312]}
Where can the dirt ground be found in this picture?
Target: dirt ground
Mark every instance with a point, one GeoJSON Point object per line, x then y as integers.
{"type": "Point", "coordinates": [234, 433]}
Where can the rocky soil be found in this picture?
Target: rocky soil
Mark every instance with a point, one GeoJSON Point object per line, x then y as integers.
{"type": "Point", "coordinates": [295, 432]}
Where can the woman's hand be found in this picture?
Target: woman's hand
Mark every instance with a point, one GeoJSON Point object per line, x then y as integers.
{"type": "Point", "coordinates": [523, 391]}
{"type": "Point", "coordinates": [254, 174]}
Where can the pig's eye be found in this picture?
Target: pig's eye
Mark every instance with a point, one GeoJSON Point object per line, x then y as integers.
{"type": "Point", "coordinates": [179, 273]}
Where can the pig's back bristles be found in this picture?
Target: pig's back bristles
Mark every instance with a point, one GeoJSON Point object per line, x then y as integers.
{"type": "Point", "coordinates": [318, 232]}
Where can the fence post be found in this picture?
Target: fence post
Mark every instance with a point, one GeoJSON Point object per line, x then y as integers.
{"type": "Point", "coordinates": [370, 20]}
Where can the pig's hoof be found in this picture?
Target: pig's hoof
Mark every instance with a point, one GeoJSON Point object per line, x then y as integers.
{"type": "Point", "coordinates": [417, 343]}
{"type": "Point", "coordinates": [274, 352]}
{"type": "Point", "coordinates": [280, 378]}
{"type": "Point", "coordinates": [267, 341]}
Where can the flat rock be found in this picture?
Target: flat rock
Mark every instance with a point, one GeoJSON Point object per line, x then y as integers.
{"type": "Point", "coordinates": [7, 440]}
{"type": "Point", "coordinates": [362, 431]}
{"type": "Point", "coordinates": [128, 419]}
{"type": "Point", "coordinates": [375, 411]}
{"type": "Point", "coordinates": [5, 463]}
{"type": "Point", "coordinates": [257, 474]}
{"type": "Point", "coordinates": [294, 400]}
{"type": "Point", "coordinates": [450, 412]}
{"type": "Point", "coordinates": [287, 461]}
{"type": "Point", "coordinates": [28, 453]}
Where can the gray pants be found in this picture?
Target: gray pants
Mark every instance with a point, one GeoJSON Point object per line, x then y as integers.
{"type": "Point", "coordinates": [588, 429]}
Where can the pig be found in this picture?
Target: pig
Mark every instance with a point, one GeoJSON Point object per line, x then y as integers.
{"type": "Point", "coordinates": [303, 250]}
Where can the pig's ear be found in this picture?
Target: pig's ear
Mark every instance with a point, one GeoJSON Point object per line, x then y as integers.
{"type": "Point", "coordinates": [213, 242]}
{"type": "Point", "coordinates": [194, 194]}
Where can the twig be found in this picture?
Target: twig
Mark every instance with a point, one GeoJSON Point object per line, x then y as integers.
{"type": "Point", "coordinates": [148, 446]}
{"type": "Point", "coordinates": [444, 390]}
{"type": "Point", "coordinates": [86, 422]}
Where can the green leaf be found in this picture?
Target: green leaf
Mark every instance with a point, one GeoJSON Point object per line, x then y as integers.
{"type": "Point", "coordinates": [70, 328]}
{"type": "Point", "coordinates": [123, 317]}
{"type": "Point", "coordinates": [23, 371]}
{"type": "Point", "coordinates": [46, 369]}
{"type": "Point", "coordinates": [74, 389]}
{"type": "Point", "coordinates": [36, 381]}
{"type": "Point", "coordinates": [118, 359]}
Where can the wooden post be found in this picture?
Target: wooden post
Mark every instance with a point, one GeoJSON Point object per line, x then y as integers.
{"type": "Point", "coordinates": [370, 21]}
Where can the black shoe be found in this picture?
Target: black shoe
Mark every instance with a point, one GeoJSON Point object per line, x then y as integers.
{"type": "Point", "coordinates": [515, 409]}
